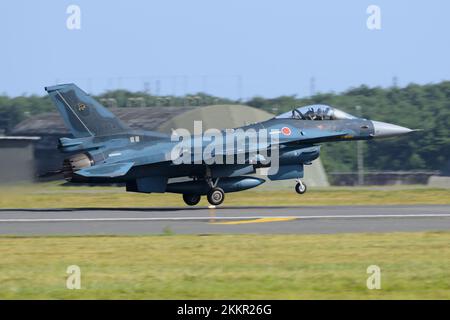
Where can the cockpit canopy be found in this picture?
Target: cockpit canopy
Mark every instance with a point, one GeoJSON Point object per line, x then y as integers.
{"type": "Point", "coordinates": [316, 112]}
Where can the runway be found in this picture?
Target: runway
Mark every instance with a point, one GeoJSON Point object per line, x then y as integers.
{"type": "Point", "coordinates": [203, 220]}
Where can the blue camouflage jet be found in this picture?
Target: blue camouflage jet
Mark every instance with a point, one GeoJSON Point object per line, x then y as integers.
{"type": "Point", "coordinates": [105, 150]}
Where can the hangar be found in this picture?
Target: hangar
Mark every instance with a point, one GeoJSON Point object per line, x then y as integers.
{"type": "Point", "coordinates": [17, 158]}
{"type": "Point", "coordinates": [50, 127]}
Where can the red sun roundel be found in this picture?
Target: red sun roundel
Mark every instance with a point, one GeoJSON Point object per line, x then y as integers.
{"type": "Point", "coordinates": [286, 131]}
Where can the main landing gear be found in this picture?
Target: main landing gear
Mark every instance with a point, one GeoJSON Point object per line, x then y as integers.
{"type": "Point", "coordinates": [300, 187]}
{"type": "Point", "coordinates": [215, 194]}
{"type": "Point", "coordinates": [191, 199]}
{"type": "Point", "coordinates": [215, 197]}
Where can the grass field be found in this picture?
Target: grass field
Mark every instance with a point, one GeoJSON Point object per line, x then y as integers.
{"type": "Point", "coordinates": [51, 195]}
{"type": "Point", "coordinates": [413, 265]}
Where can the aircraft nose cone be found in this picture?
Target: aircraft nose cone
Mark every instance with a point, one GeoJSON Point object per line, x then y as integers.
{"type": "Point", "coordinates": [384, 129]}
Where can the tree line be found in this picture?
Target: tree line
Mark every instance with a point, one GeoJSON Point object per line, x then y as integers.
{"type": "Point", "coordinates": [415, 106]}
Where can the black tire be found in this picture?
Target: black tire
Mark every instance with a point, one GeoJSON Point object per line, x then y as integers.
{"type": "Point", "coordinates": [299, 189]}
{"type": "Point", "coordinates": [191, 199]}
{"type": "Point", "coordinates": [216, 196]}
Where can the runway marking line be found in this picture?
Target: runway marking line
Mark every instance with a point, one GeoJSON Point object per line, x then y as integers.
{"type": "Point", "coordinates": [260, 220]}
{"type": "Point", "coordinates": [238, 218]}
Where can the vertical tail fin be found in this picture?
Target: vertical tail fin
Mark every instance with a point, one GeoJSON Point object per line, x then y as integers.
{"type": "Point", "coordinates": [82, 114]}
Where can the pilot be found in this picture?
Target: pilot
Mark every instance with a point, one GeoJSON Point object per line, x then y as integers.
{"type": "Point", "coordinates": [320, 114]}
{"type": "Point", "coordinates": [311, 114]}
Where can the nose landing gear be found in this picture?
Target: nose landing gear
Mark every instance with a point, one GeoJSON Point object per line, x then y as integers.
{"type": "Point", "coordinates": [300, 187]}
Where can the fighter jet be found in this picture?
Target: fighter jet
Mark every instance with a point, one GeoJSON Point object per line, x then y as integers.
{"type": "Point", "coordinates": [103, 149]}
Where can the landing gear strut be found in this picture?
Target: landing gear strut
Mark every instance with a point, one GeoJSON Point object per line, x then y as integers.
{"type": "Point", "coordinates": [215, 196]}
{"type": "Point", "coordinates": [191, 199]}
{"type": "Point", "coordinates": [300, 187]}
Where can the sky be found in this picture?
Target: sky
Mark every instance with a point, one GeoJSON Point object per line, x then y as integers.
{"type": "Point", "coordinates": [230, 48]}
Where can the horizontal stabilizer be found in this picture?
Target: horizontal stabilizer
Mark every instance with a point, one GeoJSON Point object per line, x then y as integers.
{"type": "Point", "coordinates": [106, 170]}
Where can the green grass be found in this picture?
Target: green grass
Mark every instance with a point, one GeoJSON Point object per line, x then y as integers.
{"type": "Point", "coordinates": [414, 265]}
{"type": "Point", "coordinates": [51, 195]}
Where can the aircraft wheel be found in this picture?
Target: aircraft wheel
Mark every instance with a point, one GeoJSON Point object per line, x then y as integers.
{"type": "Point", "coordinates": [191, 199]}
{"type": "Point", "coordinates": [216, 196]}
{"type": "Point", "coordinates": [300, 188]}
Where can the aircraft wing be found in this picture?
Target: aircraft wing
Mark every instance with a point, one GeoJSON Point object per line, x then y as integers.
{"type": "Point", "coordinates": [307, 137]}
{"type": "Point", "coordinates": [122, 166]}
